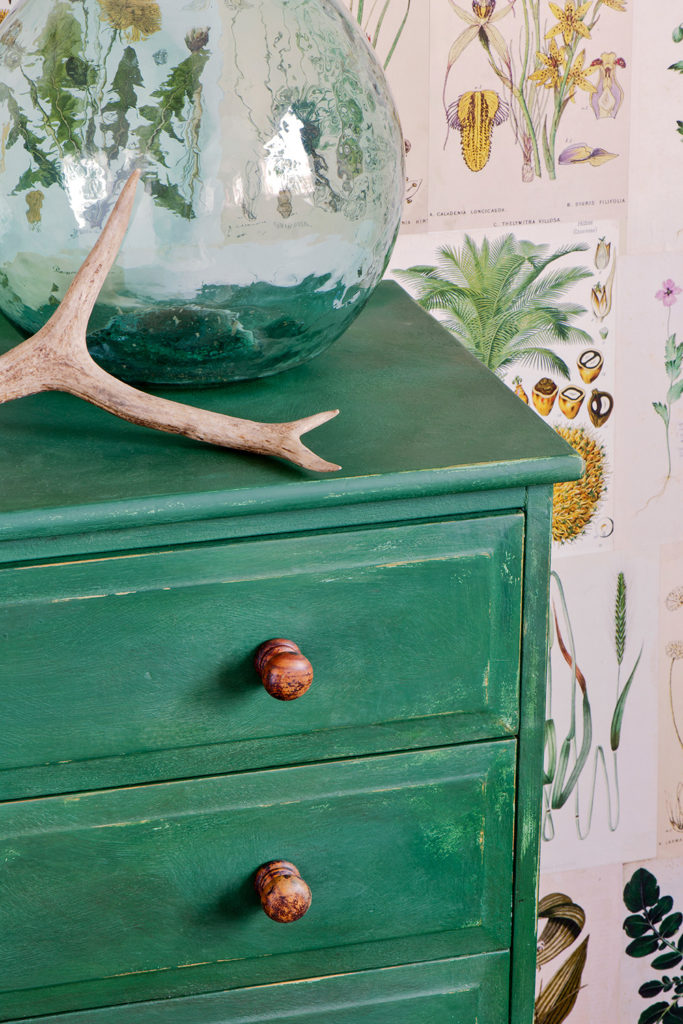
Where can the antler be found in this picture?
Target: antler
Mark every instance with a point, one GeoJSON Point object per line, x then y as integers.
{"type": "Point", "coordinates": [57, 359]}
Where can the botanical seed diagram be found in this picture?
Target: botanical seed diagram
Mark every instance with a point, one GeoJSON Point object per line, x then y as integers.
{"type": "Point", "coordinates": [515, 305]}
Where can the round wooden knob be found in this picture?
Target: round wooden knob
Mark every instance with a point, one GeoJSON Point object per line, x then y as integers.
{"type": "Point", "coordinates": [285, 672]}
{"type": "Point", "coordinates": [284, 895]}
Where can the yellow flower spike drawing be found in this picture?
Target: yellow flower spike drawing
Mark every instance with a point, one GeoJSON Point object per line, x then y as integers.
{"type": "Point", "coordinates": [136, 19]}
{"type": "Point", "coordinates": [569, 21]}
{"type": "Point", "coordinates": [552, 72]}
{"type": "Point", "coordinates": [474, 115]}
{"type": "Point", "coordinates": [616, 5]}
{"type": "Point", "coordinates": [577, 77]}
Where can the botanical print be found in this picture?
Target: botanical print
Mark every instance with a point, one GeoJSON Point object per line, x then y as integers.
{"type": "Point", "coordinates": [561, 923]}
{"type": "Point", "coordinates": [599, 782]}
{"type": "Point", "coordinates": [399, 32]}
{"type": "Point", "coordinates": [655, 220]}
{"type": "Point", "coordinates": [677, 36]}
{"type": "Point", "coordinates": [648, 473]}
{"type": "Point", "coordinates": [537, 88]}
{"type": "Point", "coordinates": [673, 364]}
{"type": "Point", "coordinates": [578, 958]}
{"type": "Point", "coordinates": [654, 927]}
{"type": "Point", "coordinates": [548, 333]}
{"type": "Point", "coordinates": [568, 763]}
{"type": "Point", "coordinates": [502, 300]}
{"type": "Point", "coordinates": [671, 701]}
{"type": "Point", "coordinates": [383, 22]}
{"type": "Point", "coordinates": [529, 111]}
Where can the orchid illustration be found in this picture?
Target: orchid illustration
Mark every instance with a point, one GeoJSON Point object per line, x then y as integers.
{"type": "Point", "coordinates": [543, 73]}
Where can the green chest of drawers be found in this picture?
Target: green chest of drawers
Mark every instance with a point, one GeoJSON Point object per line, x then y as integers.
{"type": "Point", "coordinates": [146, 774]}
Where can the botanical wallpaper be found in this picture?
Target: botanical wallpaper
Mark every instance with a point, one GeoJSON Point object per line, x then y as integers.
{"type": "Point", "coordinates": [544, 155]}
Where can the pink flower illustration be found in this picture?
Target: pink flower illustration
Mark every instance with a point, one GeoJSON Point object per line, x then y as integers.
{"type": "Point", "coordinates": [668, 292]}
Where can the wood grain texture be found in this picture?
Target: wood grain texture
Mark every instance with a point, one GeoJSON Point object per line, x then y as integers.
{"type": "Point", "coordinates": [57, 359]}
{"type": "Point", "coordinates": [129, 894]}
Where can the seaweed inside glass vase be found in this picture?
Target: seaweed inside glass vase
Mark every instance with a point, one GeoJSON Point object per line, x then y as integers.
{"type": "Point", "coordinates": [272, 165]}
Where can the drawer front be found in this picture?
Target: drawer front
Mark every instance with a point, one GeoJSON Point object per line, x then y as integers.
{"type": "Point", "coordinates": [413, 633]}
{"type": "Point", "coordinates": [467, 990]}
{"type": "Point", "coordinates": [145, 892]}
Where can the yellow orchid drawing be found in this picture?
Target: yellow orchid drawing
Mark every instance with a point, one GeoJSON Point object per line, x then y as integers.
{"type": "Point", "coordinates": [552, 72]}
{"type": "Point", "coordinates": [569, 21]}
{"type": "Point", "coordinates": [578, 76]}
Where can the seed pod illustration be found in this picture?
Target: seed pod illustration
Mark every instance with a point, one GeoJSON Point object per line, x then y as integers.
{"type": "Point", "coordinates": [600, 407]}
{"type": "Point", "coordinates": [474, 115]}
{"type": "Point", "coordinates": [608, 95]}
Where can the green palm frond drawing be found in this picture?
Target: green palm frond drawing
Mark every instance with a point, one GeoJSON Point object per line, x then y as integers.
{"type": "Point", "coordinates": [501, 300]}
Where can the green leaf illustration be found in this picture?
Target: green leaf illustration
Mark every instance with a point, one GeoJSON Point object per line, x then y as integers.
{"type": "Point", "coordinates": [675, 392]}
{"type": "Point", "coordinates": [652, 913]}
{"type": "Point", "coordinates": [653, 1013]}
{"type": "Point", "coordinates": [666, 961]}
{"type": "Point", "coordinates": [643, 946]}
{"type": "Point", "coordinates": [635, 926]}
{"type": "Point", "coordinates": [617, 717]}
{"type": "Point", "coordinates": [662, 411]}
{"type": "Point", "coordinates": [678, 66]}
{"type": "Point", "coordinates": [671, 924]}
{"type": "Point", "coordinates": [661, 908]}
{"type": "Point", "coordinates": [650, 989]}
{"type": "Point", "coordinates": [641, 891]}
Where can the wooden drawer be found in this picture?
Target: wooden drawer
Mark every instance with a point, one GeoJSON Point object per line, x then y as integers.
{"type": "Point", "coordinates": [147, 892]}
{"type": "Point", "coordinates": [413, 632]}
{"type": "Point", "coordinates": [467, 990]}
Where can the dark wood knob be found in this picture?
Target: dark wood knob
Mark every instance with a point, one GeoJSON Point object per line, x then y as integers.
{"type": "Point", "coordinates": [284, 895]}
{"type": "Point", "coordinates": [285, 672]}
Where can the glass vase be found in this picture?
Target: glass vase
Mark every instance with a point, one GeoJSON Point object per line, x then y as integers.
{"type": "Point", "coordinates": [272, 177]}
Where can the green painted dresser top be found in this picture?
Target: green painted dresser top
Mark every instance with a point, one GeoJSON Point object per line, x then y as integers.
{"type": "Point", "coordinates": [419, 416]}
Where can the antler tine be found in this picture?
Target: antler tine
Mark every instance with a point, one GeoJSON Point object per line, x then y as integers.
{"type": "Point", "coordinates": [57, 359]}
{"type": "Point", "coordinates": [77, 305]}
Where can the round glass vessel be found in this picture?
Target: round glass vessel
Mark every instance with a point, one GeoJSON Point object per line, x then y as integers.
{"type": "Point", "coordinates": [272, 170]}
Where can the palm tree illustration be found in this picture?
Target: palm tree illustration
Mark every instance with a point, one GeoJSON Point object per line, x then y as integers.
{"type": "Point", "coordinates": [501, 300]}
